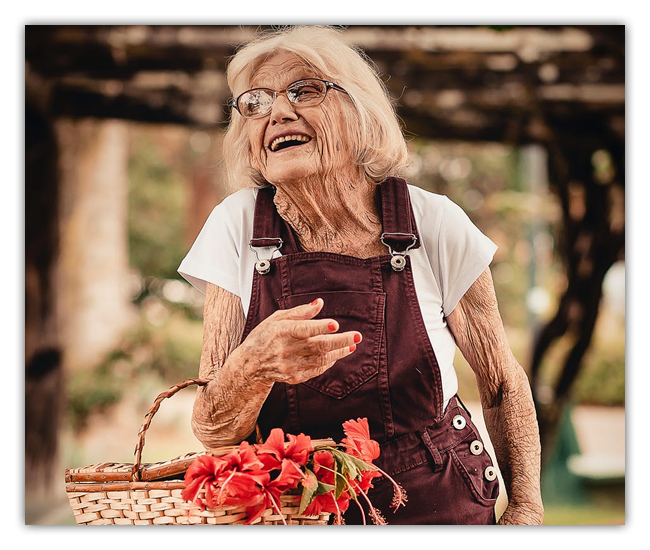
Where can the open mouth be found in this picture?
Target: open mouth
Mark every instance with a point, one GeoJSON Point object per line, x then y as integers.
{"type": "Point", "coordinates": [285, 142]}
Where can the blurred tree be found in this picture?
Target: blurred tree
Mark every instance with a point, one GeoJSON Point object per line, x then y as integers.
{"type": "Point", "coordinates": [43, 367]}
{"type": "Point", "coordinates": [588, 176]}
{"type": "Point", "coordinates": [155, 199]}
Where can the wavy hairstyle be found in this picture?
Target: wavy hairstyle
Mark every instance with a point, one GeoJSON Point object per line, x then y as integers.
{"type": "Point", "coordinates": [375, 135]}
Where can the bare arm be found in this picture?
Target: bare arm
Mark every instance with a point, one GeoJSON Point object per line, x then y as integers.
{"type": "Point", "coordinates": [506, 399]}
{"type": "Point", "coordinates": [225, 411]}
{"type": "Point", "coordinates": [289, 346]}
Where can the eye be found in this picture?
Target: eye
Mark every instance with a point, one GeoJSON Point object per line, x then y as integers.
{"type": "Point", "coordinates": [306, 91]}
{"type": "Point", "coordinates": [255, 101]}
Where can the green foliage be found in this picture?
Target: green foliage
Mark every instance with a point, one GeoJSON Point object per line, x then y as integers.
{"type": "Point", "coordinates": [175, 349]}
{"type": "Point", "coordinates": [169, 350]}
{"type": "Point", "coordinates": [602, 379]}
{"type": "Point", "coordinates": [483, 180]}
{"type": "Point", "coordinates": [487, 182]}
{"type": "Point", "coordinates": [92, 391]}
{"type": "Point", "coordinates": [166, 344]}
{"type": "Point", "coordinates": [156, 202]}
{"type": "Point", "coordinates": [584, 515]}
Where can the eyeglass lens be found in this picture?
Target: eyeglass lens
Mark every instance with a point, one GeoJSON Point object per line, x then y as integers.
{"type": "Point", "coordinates": [260, 101]}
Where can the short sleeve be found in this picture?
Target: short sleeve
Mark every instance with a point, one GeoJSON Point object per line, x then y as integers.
{"type": "Point", "coordinates": [463, 254]}
{"type": "Point", "coordinates": [215, 255]}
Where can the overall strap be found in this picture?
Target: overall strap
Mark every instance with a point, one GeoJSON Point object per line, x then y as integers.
{"type": "Point", "coordinates": [400, 231]}
{"type": "Point", "coordinates": [267, 226]}
{"type": "Point", "coordinates": [267, 231]}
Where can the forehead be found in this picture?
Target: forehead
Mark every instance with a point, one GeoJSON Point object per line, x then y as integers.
{"type": "Point", "coordinates": [280, 70]}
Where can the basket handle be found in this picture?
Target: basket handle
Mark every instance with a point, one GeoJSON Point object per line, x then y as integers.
{"type": "Point", "coordinates": [135, 472]}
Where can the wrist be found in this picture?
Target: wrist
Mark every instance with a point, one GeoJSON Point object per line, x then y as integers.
{"type": "Point", "coordinates": [522, 514]}
{"type": "Point", "coordinates": [254, 375]}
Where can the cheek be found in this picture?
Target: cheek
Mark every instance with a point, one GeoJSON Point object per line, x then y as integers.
{"type": "Point", "coordinates": [332, 144]}
{"type": "Point", "coordinates": [256, 141]}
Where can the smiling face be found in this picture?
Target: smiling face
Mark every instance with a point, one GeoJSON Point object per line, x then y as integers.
{"type": "Point", "coordinates": [295, 142]}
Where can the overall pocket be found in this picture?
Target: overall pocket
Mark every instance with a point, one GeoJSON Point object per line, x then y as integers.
{"type": "Point", "coordinates": [360, 311]}
{"type": "Point", "coordinates": [476, 467]}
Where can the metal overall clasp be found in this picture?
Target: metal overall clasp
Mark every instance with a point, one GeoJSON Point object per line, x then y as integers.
{"type": "Point", "coordinates": [398, 259]}
{"type": "Point", "coordinates": [263, 266]}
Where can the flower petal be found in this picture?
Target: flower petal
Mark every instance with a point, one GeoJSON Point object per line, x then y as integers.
{"type": "Point", "coordinates": [271, 452]}
{"type": "Point", "coordinates": [298, 448]}
{"type": "Point", "coordinates": [358, 441]}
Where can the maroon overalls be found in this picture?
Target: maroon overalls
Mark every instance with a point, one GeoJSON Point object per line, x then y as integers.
{"type": "Point", "coordinates": [392, 378]}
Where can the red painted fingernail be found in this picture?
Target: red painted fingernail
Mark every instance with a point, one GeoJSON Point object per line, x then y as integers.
{"type": "Point", "coordinates": [353, 347]}
{"type": "Point", "coordinates": [332, 326]}
{"type": "Point", "coordinates": [314, 302]}
{"type": "Point", "coordinates": [357, 338]}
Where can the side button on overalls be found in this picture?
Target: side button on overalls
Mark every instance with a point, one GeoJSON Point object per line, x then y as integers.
{"type": "Point", "coordinates": [392, 378]}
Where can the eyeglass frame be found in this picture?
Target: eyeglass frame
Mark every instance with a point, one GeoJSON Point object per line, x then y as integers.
{"type": "Point", "coordinates": [328, 84]}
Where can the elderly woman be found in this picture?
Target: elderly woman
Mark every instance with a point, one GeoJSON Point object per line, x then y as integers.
{"type": "Point", "coordinates": [334, 290]}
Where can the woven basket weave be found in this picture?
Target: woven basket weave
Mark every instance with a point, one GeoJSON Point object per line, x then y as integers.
{"type": "Point", "coordinates": [150, 494]}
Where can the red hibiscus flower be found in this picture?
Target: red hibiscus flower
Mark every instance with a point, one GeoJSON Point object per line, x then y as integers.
{"type": "Point", "coordinates": [357, 440]}
{"type": "Point", "coordinates": [324, 467]}
{"type": "Point", "coordinates": [327, 503]}
{"type": "Point", "coordinates": [227, 479]}
{"type": "Point", "coordinates": [270, 494]}
{"type": "Point", "coordinates": [243, 458]}
{"type": "Point", "coordinates": [257, 476]}
{"type": "Point", "coordinates": [202, 471]}
{"type": "Point", "coordinates": [324, 470]}
{"type": "Point", "coordinates": [274, 450]}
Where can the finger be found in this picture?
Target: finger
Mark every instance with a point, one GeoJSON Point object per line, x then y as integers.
{"type": "Point", "coordinates": [324, 344]}
{"type": "Point", "coordinates": [324, 363]}
{"type": "Point", "coordinates": [328, 360]}
{"type": "Point", "coordinates": [312, 327]}
{"type": "Point", "coordinates": [303, 312]}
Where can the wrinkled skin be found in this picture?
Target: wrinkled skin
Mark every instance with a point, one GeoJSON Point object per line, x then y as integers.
{"type": "Point", "coordinates": [506, 399]}
{"type": "Point", "coordinates": [337, 213]}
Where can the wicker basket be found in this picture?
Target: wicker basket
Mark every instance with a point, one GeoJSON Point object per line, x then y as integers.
{"type": "Point", "coordinates": [150, 494]}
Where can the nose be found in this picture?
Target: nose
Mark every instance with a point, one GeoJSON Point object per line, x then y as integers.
{"type": "Point", "coordinates": [282, 110]}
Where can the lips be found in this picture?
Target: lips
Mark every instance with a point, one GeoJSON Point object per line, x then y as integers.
{"type": "Point", "coordinates": [288, 140]}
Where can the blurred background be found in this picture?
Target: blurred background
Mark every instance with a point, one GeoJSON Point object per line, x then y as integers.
{"type": "Point", "coordinates": [522, 126]}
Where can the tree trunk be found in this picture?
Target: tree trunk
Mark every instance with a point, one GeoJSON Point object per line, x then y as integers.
{"type": "Point", "coordinates": [93, 268]}
{"type": "Point", "coordinates": [43, 367]}
{"type": "Point", "coordinates": [76, 270]}
{"type": "Point", "coordinates": [591, 240]}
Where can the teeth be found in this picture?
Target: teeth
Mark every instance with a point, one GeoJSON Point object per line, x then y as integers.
{"type": "Point", "coordinates": [277, 141]}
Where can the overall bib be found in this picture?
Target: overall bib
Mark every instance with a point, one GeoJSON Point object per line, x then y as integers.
{"type": "Point", "coordinates": [392, 378]}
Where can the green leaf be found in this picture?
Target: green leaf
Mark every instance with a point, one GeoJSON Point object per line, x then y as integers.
{"type": "Point", "coordinates": [345, 465]}
{"type": "Point", "coordinates": [341, 485]}
{"type": "Point", "coordinates": [351, 466]}
{"type": "Point", "coordinates": [310, 486]}
{"type": "Point", "coordinates": [360, 464]}
{"type": "Point", "coordinates": [323, 488]}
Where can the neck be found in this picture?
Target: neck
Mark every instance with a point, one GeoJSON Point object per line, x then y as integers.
{"type": "Point", "coordinates": [333, 215]}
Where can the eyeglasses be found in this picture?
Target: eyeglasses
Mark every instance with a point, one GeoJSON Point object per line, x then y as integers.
{"type": "Point", "coordinates": [258, 102]}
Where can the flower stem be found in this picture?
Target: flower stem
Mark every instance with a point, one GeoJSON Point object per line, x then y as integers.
{"type": "Point", "coordinates": [374, 513]}
{"type": "Point", "coordinates": [275, 506]}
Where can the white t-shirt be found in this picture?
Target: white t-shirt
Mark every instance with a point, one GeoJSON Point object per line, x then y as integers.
{"type": "Point", "coordinates": [453, 254]}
